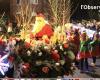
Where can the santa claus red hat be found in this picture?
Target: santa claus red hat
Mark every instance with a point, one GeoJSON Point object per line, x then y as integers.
{"type": "Point", "coordinates": [40, 15]}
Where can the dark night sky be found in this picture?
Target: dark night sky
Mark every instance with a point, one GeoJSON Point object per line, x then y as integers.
{"type": "Point", "coordinates": [78, 14]}
{"type": "Point", "coordinates": [85, 14]}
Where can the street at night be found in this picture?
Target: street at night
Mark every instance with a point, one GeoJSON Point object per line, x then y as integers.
{"type": "Point", "coordinates": [50, 39]}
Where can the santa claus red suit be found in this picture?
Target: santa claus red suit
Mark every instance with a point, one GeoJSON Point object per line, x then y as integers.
{"type": "Point", "coordinates": [46, 30]}
{"type": "Point", "coordinates": [41, 27]}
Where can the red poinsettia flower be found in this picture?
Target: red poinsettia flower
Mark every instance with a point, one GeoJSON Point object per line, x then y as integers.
{"type": "Point", "coordinates": [26, 67]}
{"type": "Point", "coordinates": [45, 69]}
{"type": "Point", "coordinates": [55, 55]}
{"type": "Point", "coordinates": [66, 45]}
{"type": "Point", "coordinates": [2, 42]}
{"type": "Point", "coordinates": [27, 45]}
{"type": "Point", "coordinates": [11, 58]}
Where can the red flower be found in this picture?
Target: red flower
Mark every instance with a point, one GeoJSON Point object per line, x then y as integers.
{"type": "Point", "coordinates": [45, 69]}
{"type": "Point", "coordinates": [11, 58]}
{"type": "Point", "coordinates": [27, 45]}
{"type": "Point", "coordinates": [55, 55]}
{"type": "Point", "coordinates": [47, 41]}
{"type": "Point", "coordinates": [2, 42]}
{"type": "Point", "coordinates": [26, 67]}
{"type": "Point", "coordinates": [66, 45]}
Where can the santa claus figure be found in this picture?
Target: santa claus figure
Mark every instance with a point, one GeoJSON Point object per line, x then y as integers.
{"type": "Point", "coordinates": [41, 27]}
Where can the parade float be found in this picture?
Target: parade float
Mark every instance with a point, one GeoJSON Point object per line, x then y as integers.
{"type": "Point", "coordinates": [38, 51]}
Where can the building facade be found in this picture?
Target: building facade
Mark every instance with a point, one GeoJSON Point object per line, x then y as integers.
{"type": "Point", "coordinates": [15, 4]}
{"type": "Point", "coordinates": [38, 6]}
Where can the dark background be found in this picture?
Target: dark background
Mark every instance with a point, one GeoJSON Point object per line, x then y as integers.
{"type": "Point", "coordinates": [85, 14]}
{"type": "Point", "coordinates": [5, 6]}
{"type": "Point", "coordinates": [78, 13]}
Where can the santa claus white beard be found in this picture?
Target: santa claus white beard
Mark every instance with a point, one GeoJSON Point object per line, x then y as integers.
{"type": "Point", "coordinates": [37, 27]}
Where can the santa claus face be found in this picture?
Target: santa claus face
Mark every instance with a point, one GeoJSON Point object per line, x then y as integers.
{"type": "Point", "coordinates": [39, 21]}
